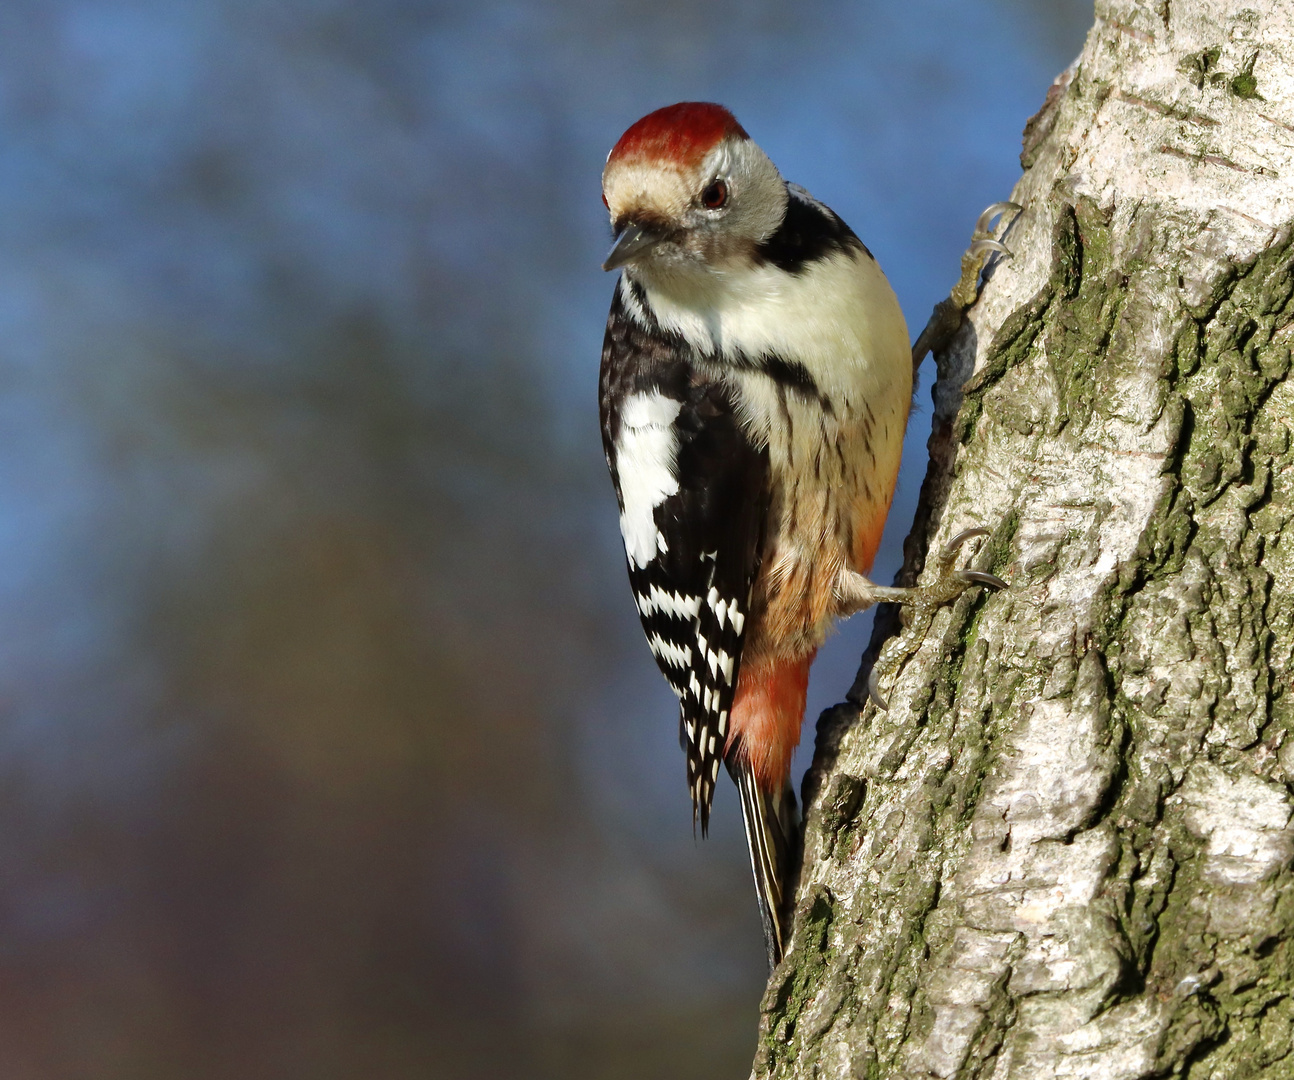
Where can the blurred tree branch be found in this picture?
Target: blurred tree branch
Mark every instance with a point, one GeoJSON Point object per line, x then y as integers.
{"type": "Point", "coordinates": [1065, 849]}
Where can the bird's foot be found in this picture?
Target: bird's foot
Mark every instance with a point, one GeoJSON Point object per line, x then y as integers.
{"type": "Point", "coordinates": [923, 600]}
{"type": "Point", "coordinates": [948, 584]}
{"type": "Point", "coordinates": [983, 246]}
{"type": "Point", "coordinates": [946, 318]}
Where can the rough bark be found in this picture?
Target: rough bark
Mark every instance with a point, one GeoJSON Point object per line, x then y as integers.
{"type": "Point", "coordinates": [1065, 850]}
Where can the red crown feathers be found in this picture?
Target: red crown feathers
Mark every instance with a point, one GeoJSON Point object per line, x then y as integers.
{"type": "Point", "coordinates": [682, 133]}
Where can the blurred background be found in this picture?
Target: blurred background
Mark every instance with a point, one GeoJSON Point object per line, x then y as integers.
{"type": "Point", "coordinates": [329, 744]}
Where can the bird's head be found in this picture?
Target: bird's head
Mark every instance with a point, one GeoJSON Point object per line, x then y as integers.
{"type": "Point", "coordinates": [688, 190]}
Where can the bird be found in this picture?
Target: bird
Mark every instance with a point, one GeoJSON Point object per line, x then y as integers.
{"type": "Point", "coordinates": [754, 390]}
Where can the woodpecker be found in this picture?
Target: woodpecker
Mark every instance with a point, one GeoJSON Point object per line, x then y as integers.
{"type": "Point", "coordinates": [754, 390]}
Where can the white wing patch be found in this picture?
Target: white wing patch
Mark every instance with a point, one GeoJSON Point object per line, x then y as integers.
{"type": "Point", "coordinates": [645, 456]}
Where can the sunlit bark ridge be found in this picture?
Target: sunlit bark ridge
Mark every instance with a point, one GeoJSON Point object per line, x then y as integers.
{"type": "Point", "coordinates": [1065, 849]}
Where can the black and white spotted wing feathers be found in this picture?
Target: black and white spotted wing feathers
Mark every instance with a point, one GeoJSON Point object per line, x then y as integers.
{"type": "Point", "coordinates": [692, 579]}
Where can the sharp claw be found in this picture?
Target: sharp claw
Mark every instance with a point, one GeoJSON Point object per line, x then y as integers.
{"type": "Point", "coordinates": [956, 542]}
{"type": "Point", "coordinates": [979, 577]}
{"type": "Point", "coordinates": [990, 212]}
{"type": "Point", "coordinates": [978, 247]}
{"type": "Point", "coordinates": [874, 690]}
{"type": "Point", "coordinates": [948, 553]}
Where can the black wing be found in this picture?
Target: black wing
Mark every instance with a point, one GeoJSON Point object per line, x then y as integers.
{"type": "Point", "coordinates": [693, 593]}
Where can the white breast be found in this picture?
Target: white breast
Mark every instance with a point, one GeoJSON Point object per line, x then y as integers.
{"type": "Point", "coordinates": [839, 318]}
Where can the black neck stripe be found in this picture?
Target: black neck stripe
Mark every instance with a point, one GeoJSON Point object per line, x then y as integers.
{"type": "Point", "coordinates": [809, 233]}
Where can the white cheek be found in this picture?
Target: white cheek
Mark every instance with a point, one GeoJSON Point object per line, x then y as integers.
{"type": "Point", "coordinates": [645, 456]}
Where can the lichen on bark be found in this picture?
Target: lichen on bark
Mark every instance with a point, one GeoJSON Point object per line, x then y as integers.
{"type": "Point", "coordinates": [1065, 850]}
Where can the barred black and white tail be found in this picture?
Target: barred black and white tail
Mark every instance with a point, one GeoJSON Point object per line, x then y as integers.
{"type": "Point", "coordinates": [772, 834]}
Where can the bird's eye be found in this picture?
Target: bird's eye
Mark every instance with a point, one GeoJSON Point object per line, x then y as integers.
{"type": "Point", "coordinates": [715, 195]}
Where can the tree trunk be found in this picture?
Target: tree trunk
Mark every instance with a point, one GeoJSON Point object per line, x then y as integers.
{"type": "Point", "coordinates": [1065, 849]}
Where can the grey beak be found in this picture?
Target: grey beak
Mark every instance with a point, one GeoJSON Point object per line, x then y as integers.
{"type": "Point", "coordinates": [633, 241]}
